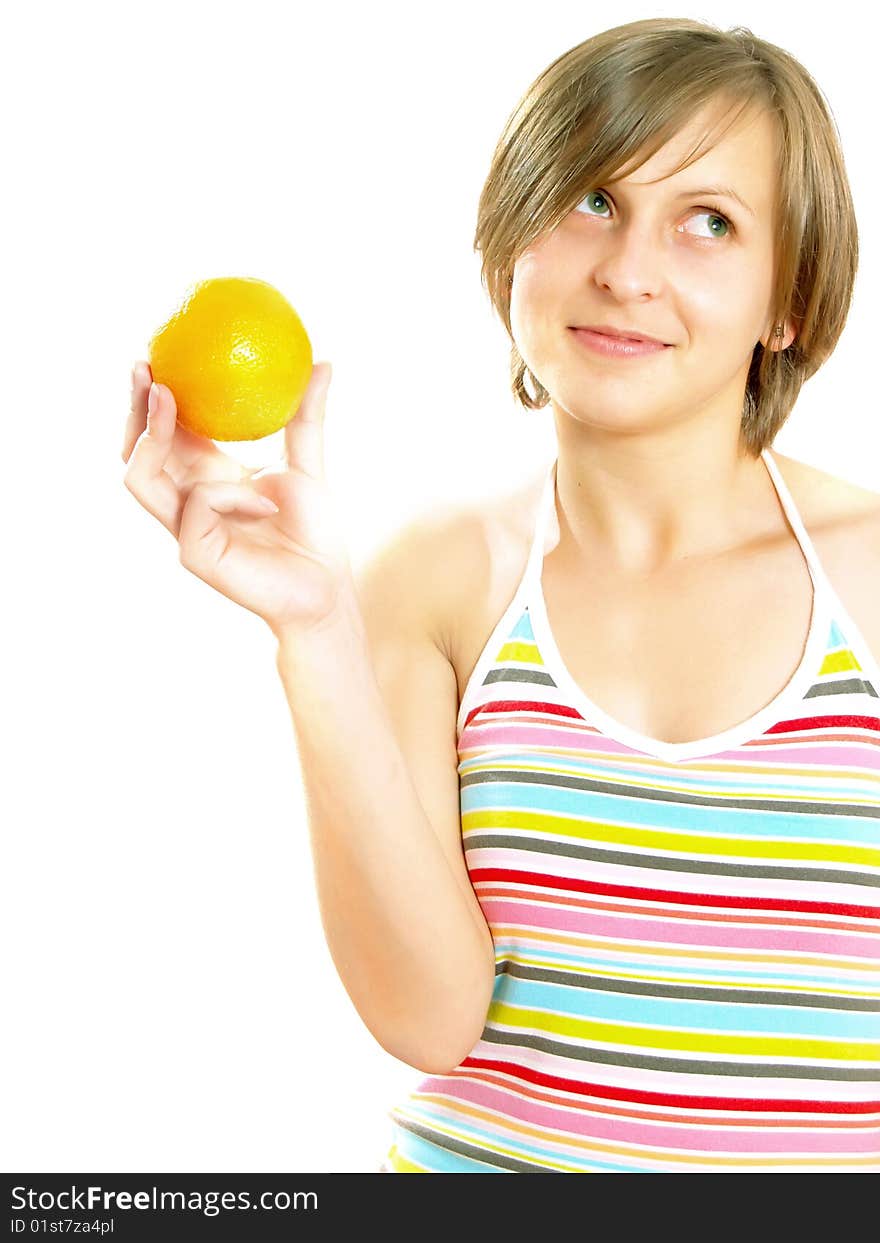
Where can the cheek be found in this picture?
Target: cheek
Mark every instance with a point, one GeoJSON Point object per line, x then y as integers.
{"type": "Point", "coordinates": [711, 301]}
{"type": "Point", "coordinates": [536, 296]}
{"type": "Point", "coordinates": [733, 300]}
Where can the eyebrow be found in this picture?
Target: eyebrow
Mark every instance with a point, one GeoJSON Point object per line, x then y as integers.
{"type": "Point", "coordinates": [724, 192]}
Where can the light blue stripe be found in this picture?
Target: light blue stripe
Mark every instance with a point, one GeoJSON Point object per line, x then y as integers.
{"type": "Point", "coordinates": [523, 629]}
{"type": "Point", "coordinates": [668, 1013]}
{"type": "Point", "coordinates": [438, 1160]}
{"type": "Point", "coordinates": [652, 813]}
{"type": "Point", "coordinates": [813, 788]}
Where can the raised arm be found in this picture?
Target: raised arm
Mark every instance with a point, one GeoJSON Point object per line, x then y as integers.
{"type": "Point", "coordinates": [373, 701]}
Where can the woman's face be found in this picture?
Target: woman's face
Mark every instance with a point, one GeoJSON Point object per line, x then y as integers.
{"type": "Point", "coordinates": [657, 259]}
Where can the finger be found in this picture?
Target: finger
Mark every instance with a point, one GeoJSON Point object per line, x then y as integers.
{"type": "Point", "coordinates": [141, 378]}
{"type": "Point", "coordinates": [203, 537]}
{"type": "Point", "coordinates": [146, 477]}
{"type": "Point", "coordinates": [304, 432]}
{"type": "Point", "coordinates": [188, 448]}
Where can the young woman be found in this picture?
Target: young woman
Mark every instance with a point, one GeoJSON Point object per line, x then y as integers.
{"type": "Point", "coordinates": [593, 774]}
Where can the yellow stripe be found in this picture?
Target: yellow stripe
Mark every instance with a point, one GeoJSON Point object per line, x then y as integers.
{"type": "Point", "coordinates": [402, 1166]}
{"type": "Point", "coordinates": [520, 651]}
{"type": "Point", "coordinates": [663, 951]}
{"type": "Point", "coordinates": [526, 651]}
{"type": "Point", "coordinates": [499, 818]}
{"type": "Point", "coordinates": [519, 1017]}
{"type": "Point", "coordinates": [838, 661]}
{"type": "Point", "coordinates": [618, 1150]}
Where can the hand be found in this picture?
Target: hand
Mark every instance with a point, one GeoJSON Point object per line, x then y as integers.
{"type": "Point", "coordinates": [290, 567]}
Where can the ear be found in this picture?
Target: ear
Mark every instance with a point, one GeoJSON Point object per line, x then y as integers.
{"type": "Point", "coordinates": [771, 341]}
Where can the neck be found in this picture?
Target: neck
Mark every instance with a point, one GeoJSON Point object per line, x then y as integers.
{"type": "Point", "coordinates": [633, 511]}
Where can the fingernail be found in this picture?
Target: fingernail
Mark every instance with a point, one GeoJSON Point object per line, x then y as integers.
{"type": "Point", "coordinates": [153, 399]}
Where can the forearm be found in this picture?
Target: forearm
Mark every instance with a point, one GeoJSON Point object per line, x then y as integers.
{"type": "Point", "coordinates": [417, 965]}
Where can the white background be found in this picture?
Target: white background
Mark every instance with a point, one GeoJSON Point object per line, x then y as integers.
{"type": "Point", "coordinates": [172, 1005]}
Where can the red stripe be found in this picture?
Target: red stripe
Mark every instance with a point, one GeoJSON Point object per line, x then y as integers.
{"type": "Point", "coordinates": [824, 722]}
{"type": "Point", "coordinates": [523, 705]}
{"type": "Point", "coordinates": [831, 720]}
{"type": "Point", "coordinates": [573, 884]}
{"type": "Point", "coordinates": [670, 1098]}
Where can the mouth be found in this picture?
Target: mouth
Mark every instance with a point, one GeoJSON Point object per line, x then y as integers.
{"type": "Point", "coordinates": [615, 335]}
{"type": "Point", "coordinates": [611, 345]}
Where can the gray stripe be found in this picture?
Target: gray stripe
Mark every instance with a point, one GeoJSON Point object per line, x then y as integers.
{"type": "Point", "coordinates": [684, 991]}
{"type": "Point", "coordinates": [469, 1150]}
{"type": "Point", "coordinates": [661, 863]}
{"type": "Point", "coordinates": [571, 782]}
{"type": "Point", "coordinates": [679, 1065]}
{"type": "Point", "coordinates": [843, 686]}
{"type": "Point", "coordinates": [511, 674]}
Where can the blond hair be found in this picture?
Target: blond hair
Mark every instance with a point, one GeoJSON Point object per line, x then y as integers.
{"type": "Point", "coordinates": [626, 92]}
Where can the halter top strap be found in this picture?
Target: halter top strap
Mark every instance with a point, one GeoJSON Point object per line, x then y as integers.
{"type": "Point", "coordinates": [546, 530]}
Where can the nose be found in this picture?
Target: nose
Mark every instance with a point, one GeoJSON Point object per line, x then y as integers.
{"type": "Point", "coordinates": [627, 262]}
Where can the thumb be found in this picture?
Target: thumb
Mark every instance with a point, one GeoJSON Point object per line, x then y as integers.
{"type": "Point", "coordinates": [304, 432]}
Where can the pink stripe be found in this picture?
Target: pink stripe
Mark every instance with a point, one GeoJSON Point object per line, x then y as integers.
{"type": "Point", "coordinates": [497, 732]}
{"type": "Point", "coordinates": [669, 932]}
{"type": "Point", "coordinates": [625, 1131]}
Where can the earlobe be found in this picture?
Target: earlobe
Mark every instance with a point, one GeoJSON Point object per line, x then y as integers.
{"type": "Point", "coordinates": [780, 337]}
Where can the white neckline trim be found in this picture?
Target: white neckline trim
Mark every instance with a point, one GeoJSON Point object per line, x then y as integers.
{"type": "Point", "coordinates": [743, 731]}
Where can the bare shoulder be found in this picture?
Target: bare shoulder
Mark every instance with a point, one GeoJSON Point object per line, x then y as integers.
{"type": "Point", "coordinates": [828, 501]}
{"type": "Point", "coordinates": [423, 568]}
{"type": "Point", "coordinates": [843, 521]}
{"type": "Point", "coordinates": [451, 563]}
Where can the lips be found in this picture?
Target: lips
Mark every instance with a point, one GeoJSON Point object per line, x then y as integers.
{"type": "Point", "coordinates": [607, 345]}
{"type": "Point", "coordinates": [620, 335]}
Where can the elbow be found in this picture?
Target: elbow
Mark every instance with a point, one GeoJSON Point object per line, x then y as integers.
{"type": "Point", "coordinates": [430, 1065]}
{"type": "Point", "coordinates": [461, 1032]}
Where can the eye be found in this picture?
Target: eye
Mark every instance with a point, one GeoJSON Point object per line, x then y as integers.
{"type": "Point", "coordinates": [593, 194]}
{"type": "Point", "coordinates": [713, 215]}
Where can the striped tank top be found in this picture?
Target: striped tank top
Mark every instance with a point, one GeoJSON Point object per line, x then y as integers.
{"type": "Point", "coordinates": [687, 944]}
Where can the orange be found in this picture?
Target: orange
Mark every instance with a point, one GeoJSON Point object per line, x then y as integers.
{"type": "Point", "coordinates": [236, 357]}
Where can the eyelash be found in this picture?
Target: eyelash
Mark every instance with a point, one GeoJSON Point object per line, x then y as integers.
{"type": "Point", "coordinates": [712, 211]}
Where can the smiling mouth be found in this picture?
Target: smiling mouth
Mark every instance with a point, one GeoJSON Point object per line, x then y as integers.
{"type": "Point", "coordinates": [609, 346]}
{"type": "Point", "coordinates": [619, 336]}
